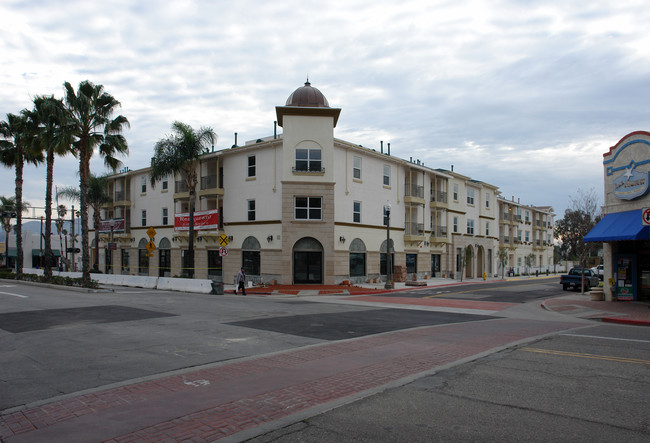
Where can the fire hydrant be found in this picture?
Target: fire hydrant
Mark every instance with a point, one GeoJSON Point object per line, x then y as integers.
{"type": "Point", "coordinates": [484, 275]}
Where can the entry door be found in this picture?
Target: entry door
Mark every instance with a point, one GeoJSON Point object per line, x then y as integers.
{"type": "Point", "coordinates": [308, 267]}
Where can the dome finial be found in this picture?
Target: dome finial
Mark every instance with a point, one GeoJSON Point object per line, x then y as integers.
{"type": "Point", "coordinates": [307, 82]}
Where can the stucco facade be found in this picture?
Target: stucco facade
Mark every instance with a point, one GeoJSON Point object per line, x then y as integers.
{"type": "Point", "coordinates": [304, 206]}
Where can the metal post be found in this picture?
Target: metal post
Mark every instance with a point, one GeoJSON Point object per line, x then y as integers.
{"type": "Point", "coordinates": [389, 261]}
{"type": "Point", "coordinates": [74, 265]}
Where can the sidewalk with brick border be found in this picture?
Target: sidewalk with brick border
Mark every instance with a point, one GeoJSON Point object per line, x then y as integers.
{"type": "Point", "coordinates": [224, 399]}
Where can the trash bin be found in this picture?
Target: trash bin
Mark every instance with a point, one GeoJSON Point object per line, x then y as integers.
{"type": "Point", "coordinates": [217, 287]}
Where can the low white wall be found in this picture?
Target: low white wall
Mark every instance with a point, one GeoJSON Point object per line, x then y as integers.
{"type": "Point", "coordinates": [136, 281]}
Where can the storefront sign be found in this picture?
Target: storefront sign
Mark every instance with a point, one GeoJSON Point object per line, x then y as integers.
{"type": "Point", "coordinates": [631, 185]}
{"type": "Point", "coordinates": [202, 220]}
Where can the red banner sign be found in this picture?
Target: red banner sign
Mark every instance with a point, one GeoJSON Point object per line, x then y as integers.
{"type": "Point", "coordinates": [202, 220]}
{"type": "Point", "coordinates": [118, 225]}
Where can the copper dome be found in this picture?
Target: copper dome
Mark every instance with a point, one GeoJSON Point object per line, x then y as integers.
{"type": "Point", "coordinates": [307, 97]}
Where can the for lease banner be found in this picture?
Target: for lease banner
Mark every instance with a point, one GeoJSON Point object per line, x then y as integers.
{"type": "Point", "coordinates": [202, 220]}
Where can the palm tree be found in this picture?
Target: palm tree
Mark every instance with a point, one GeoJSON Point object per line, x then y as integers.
{"type": "Point", "coordinates": [48, 119]}
{"type": "Point", "coordinates": [90, 125]}
{"type": "Point", "coordinates": [9, 211]}
{"type": "Point", "coordinates": [96, 197]}
{"type": "Point", "coordinates": [180, 153]}
{"type": "Point", "coordinates": [15, 150]}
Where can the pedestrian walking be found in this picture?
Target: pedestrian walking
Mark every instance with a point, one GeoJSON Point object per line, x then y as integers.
{"type": "Point", "coordinates": [241, 281]}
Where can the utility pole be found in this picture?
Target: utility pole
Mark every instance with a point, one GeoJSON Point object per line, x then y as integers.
{"type": "Point", "coordinates": [74, 266]}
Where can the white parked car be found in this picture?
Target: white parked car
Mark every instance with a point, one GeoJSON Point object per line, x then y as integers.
{"type": "Point", "coordinates": [598, 270]}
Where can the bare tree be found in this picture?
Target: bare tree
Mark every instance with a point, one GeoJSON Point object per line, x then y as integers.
{"type": "Point", "coordinates": [578, 220]}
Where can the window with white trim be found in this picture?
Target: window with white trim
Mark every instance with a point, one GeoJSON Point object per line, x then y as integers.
{"type": "Point", "coordinates": [455, 192]}
{"type": "Point", "coordinates": [165, 216]}
{"type": "Point", "coordinates": [356, 168]}
{"type": "Point", "coordinates": [309, 160]}
{"type": "Point", "coordinates": [308, 208]}
{"type": "Point", "coordinates": [470, 227]}
{"type": "Point", "coordinates": [470, 196]}
{"type": "Point", "coordinates": [487, 199]}
{"type": "Point", "coordinates": [251, 209]}
{"type": "Point", "coordinates": [143, 181]}
{"type": "Point", "coordinates": [386, 175]}
{"type": "Point", "coordinates": [251, 166]}
{"type": "Point", "coordinates": [144, 217]}
{"type": "Point", "coordinates": [356, 212]}
{"type": "Point", "coordinates": [455, 223]}
{"type": "Point", "coordinates": [487, 228]}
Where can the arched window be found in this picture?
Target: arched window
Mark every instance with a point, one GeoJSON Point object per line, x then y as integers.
{"type": "Point", "coordinates": [164, 257]}
{"type": "Point", "coordinates": [143, 259]}
{"type": "Point", "coordinates": [250, 251]}
{"type": "Point", "coordinates": [357, 258]}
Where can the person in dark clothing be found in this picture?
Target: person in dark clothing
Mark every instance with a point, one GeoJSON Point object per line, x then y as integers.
{"type": "Point", "coordinates": [241, 281]}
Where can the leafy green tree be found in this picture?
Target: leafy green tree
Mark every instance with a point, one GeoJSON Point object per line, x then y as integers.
{"type": "Point", "coordinates": [97, 196]}
{"type": "Point", "coordinates": [48, 121]}
{"type": "Point", "coordinates": [90, 126]}
{"type": "Point", "coordinates": [15, 149]}
{"type": "Point", "coordinates": [180, 154]}
{"type": "Point", "coordinates": [9, 209]}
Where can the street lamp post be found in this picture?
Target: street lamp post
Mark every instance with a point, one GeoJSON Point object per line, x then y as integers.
{"type": "Point", "coordinates": [389, 267]}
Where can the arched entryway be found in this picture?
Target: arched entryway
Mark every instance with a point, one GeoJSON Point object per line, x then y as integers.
{"type": "Point", "coordinates": [469, 261]}
{"type": "Point", "coordinates": [480, 266]}
{"type": "Point", "coordinates": [143, 258]}
{"type": "Point", "coordinates": [250, 251]}
{"type": "Point", "coordinates": [308, 261]}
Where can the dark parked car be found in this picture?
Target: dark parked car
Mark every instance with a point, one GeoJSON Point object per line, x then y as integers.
{"type": "Point", "coordinates": [574, 279]}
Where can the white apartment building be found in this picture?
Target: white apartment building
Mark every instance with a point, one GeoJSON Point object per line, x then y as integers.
{"type": "Point", "coordinates": [306, 207]}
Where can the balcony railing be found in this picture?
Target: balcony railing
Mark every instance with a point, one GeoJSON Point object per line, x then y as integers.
{"type": "Point", "coordinates": [209, 182]}
{"type": "Point", "coordinates": [413, 190]}
{"type": "Point", "coordinates": [439, 231]}
{"type": "Point", "coordinates": [439, 196]}
{"type": "Point", "coordinates": [180, 186]}
{"type": "Point", "coordinates": [414, 229]}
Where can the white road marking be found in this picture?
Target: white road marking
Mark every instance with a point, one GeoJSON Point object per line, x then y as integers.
{"type": "Point", "coordinates": [607, 338]}
{"type": "Point", "coordinates": [15, 295]}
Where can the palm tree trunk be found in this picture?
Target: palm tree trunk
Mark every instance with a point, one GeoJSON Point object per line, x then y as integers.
{"type": "Point", "coordinates": [19, 216]}
{"type": "Point", "coordinates": [48, 214]}
{"type": "Point", "coordinates": [190, 249]}
{"type": "Point", "coordinates": [84, 166]}
{"type": "Point", "coordinates": [96, 222]}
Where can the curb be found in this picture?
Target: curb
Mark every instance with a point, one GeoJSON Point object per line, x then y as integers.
{"type": "Point", "coordinates": [625, 321]}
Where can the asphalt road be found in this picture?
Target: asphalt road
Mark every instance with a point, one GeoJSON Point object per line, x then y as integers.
{"type": "Point", "coordinates": [585, 384]}
{"type": "Point", "coordinates": [588, 385]}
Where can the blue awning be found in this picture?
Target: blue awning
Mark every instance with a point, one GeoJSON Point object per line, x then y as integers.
{"type": "Point", "coordinates": [619, 226]}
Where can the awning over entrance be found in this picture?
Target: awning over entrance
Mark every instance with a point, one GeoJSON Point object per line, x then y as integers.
{"type": "Point", "coordinates": [38, 252]}
{"type": "Point", "coordinates": [619, 226]}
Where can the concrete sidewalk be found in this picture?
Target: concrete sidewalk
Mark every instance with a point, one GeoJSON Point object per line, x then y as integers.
{"type": "Point", "coordinates": [580, 306]}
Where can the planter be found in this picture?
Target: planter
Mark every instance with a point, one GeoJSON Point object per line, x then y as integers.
{"type": "Point", "coordinates": [597, 294]}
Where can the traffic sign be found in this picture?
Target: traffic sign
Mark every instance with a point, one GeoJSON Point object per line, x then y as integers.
{"type": "Point", "coordinates": [149, 254]}
{"type": "Point", "coordinates": [150, 246]}
{"type": "Point", "coordinates": [223, 251]}
{"type": "Point", "coordinates": [224, 240]}
{"type": "Point", "coordinates": [645, 218]}
{"type": "Point", "coordinates": [112, 246]}
{"type": "Point", "coordinates": [151, 232]}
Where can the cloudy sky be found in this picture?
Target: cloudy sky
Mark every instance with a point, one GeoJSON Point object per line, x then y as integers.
{"type": "Point", "coordinates": [525, 95]}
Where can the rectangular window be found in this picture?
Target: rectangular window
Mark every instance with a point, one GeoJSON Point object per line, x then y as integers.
{"type": "Point", "coordinates": [308, 160]}
{"type": "Point", "coordinates": [356, 212]}
{"type": "Point", "coordinates": [308, 208]}
{"type": "Point", "coordinates": [165, 216]}
{"type": "Point", "coordinates": [527, 236]}
{"type": "Point", "coordinates": [251, 210]}
{"type": "Point", "coordinates": [251, 166]}
{"type": "Point", "coordinates": [165, 184]}
{"type": "Point", "coordinates": [356, 168]}
{"type": "Point", "coordinates": [470, 226]}
{"type": "Point", "coordinates": [455, 192]}
{"type": "Point", "coordinates": [144, 184]}
{"type": "Point", "coordinates": [455, 224]}
{"type": "Point", "coordinates": [487, 228]}
{"type": "Point", "coordinates": [470, 196]}
{"type": "Point", "coordinates": [144, 217]}
{"type": "Point", "coordinates": [386, 175]}
{"type": "Point", "coordinates": [527, 216]}
{"type": "Point", "coordinates": [487, 199]}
